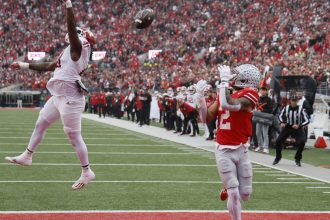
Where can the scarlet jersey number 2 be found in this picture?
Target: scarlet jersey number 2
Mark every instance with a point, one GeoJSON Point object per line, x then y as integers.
{"type": "Point", "coordinates": [224, 116]}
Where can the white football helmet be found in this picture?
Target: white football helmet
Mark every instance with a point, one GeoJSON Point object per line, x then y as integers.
{"type": "Point", "coordinates": [84, 33]}
{"type": "Point", "coordinates": [170, 92]}
{"type": "Point", "coordinates": [247, 75]}
{"type": "Point", "coordinates": [180, 98]}
{"type": "Point", "coordinates": [191, 90]}
{"type": "Point", "coordinates": [183, 89]}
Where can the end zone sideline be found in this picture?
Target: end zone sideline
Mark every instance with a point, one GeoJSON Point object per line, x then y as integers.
{"type": "Point", "coordinates": [307, 170]}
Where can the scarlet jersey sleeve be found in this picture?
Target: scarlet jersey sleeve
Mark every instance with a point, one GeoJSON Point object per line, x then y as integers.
{"type": "Point", "coordinates": [248, 93]}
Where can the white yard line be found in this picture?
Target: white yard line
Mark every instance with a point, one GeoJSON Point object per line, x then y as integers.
{"type": "Point", "coordinates": [30, 129]}
{"type": "Point", "coordinates": [146, 181]}
{"type": "Point", "coordinates": [270, 171]}
{"type": "Point", "coordinates": [119, 145]}
{"type": "Point", "coordinates": [261, 168]}
{"type": "Point", "coordinates": [326, 192]}
{"type": "Point", "coordinates": [317, 187]}
{"type": "Point", "coordinates": [118, 164]}
{"type": "Point", "coordinates": [97, 152]}
{"type": "Point", "coordinates": [292, 178]}
{"type": "Point", "coordinates": [85, 138]}
{"type": "Point", "coordinates": [270, 174]}
{"type": "Point", "coordinates": [62, 133]}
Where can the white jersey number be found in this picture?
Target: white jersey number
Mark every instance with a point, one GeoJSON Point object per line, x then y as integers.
{"type": "Point", "coordinates": [225, 125]}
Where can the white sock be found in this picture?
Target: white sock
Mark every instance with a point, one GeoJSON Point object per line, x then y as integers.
{"type": "Point", "coordinates": [80, 147]}
{"type": "Point", "coordinates": [234, 204]}
{"type": "Point", "coordinates": [85, 169]}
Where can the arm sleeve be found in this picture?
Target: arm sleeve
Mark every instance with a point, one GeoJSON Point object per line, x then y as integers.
{"type": "Point", "coordinates": [282, 117]}
{"type": "Point", "coordinates": [224, 103]}
{"type": "Point", "coordinates": [305, 118]}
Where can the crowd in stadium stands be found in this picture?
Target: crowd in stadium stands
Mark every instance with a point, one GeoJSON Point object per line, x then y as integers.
{"type": "Point", "coordinates": [194, 36]}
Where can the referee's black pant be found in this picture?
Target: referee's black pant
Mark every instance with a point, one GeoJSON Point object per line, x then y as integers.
{"type": "Point", "coordinates": [297, 134]}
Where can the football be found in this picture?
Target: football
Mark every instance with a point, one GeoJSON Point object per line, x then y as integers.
{"type": "Point", "coordinates": [144, 18]}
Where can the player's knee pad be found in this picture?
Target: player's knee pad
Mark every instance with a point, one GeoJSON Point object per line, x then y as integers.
{"type": "Point", "coordinates": [233, 193]}
{"type": "Point", "coordinates": [245, 169]}
{"type": "Point", "coordinates": [227, 174]}
{"type": "Point", "coordinates": [245, 197]}
{"type": "Point", "coordinates": [245, 174]}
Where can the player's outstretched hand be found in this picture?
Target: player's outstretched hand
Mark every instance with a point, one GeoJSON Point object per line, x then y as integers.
{"type": "Point", "coordinates": [201, 86]}
{"type": "Point", "coordinates": [19, 66]}
{"type": "Point", "coordinates": [224, 72]}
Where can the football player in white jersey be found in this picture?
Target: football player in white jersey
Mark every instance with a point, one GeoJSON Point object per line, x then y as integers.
{"type": "Point", "coordinates": [191, 96]}
{"type": "Point", "coordinates": [67, 101]}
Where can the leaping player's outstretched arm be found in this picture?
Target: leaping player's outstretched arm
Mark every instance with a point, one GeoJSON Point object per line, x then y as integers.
{"type": "Point", "coordinates": [45, 66]}
{"type": "Point", "coordinates": [75, 43]}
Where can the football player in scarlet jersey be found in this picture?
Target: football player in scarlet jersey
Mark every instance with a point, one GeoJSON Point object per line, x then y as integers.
{"type": "Point", "coordinates": [234, 114]}
{"type": "Point", "coordinates": [67, 102]}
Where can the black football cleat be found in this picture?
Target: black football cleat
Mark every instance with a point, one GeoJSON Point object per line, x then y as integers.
{"type": "Point", "coordinates": [298, 164]}
{"type": "Point", "coordinates": [276, 161]}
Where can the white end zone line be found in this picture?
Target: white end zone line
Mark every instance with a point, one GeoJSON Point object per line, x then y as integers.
{"type": "Point", "coordinates": [159, 211]}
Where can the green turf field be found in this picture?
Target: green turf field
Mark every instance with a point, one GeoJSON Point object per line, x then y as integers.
{"type": "Point", "coordinates": [133, 172]}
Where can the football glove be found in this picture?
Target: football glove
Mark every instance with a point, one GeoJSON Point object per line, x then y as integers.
{"type": "Point", "coordinates": [200, 87]}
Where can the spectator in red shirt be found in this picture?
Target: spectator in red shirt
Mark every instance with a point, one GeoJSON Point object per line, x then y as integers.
{"type": "Point", "coordinates": [190, 114]}
{"type": "Point", "coordinates": [101, 104]}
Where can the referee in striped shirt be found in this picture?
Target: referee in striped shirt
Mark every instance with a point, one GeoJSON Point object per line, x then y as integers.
{"type": "Point", "coordinates": [293, 119]}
